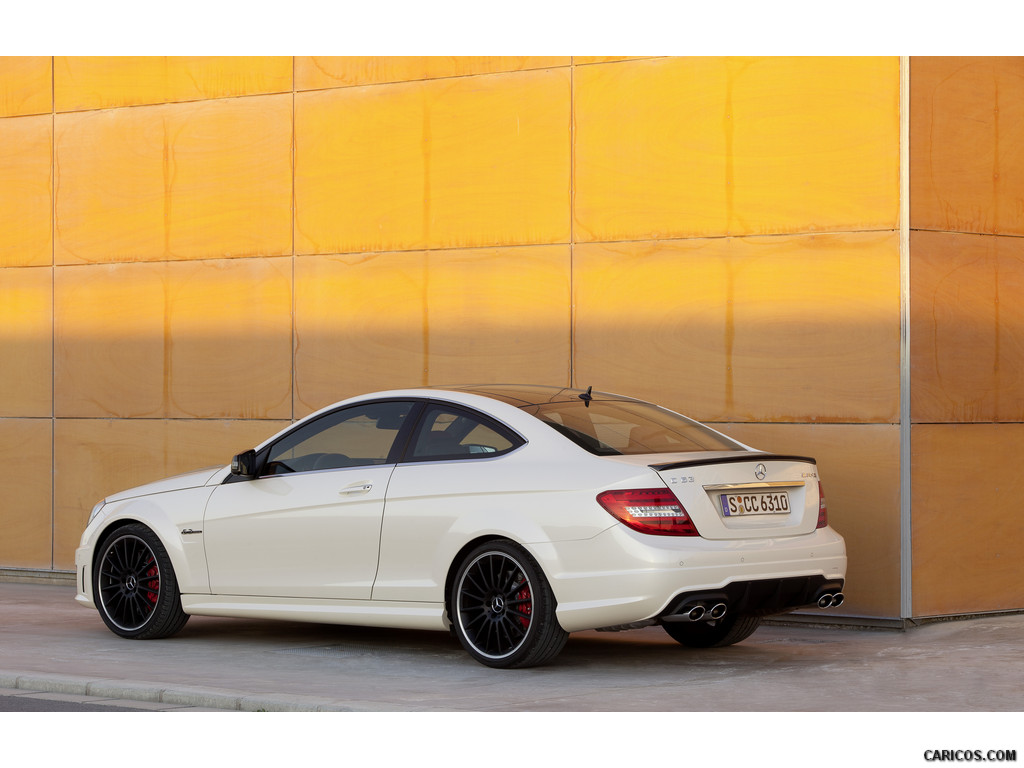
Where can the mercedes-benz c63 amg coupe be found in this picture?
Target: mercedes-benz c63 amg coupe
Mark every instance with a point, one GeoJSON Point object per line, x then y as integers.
{"type": "Point", "coordinates": [512, 515]}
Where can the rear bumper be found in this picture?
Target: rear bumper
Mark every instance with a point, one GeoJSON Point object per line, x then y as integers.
{"type": "Point", "coordinates": [642, 577]}
{"type": "Point", "coordinates": [757, 598]}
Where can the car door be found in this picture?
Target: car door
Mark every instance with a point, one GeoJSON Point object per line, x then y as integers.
{"type": "Point", "coordinates": [309, 524]}
{"type": "Point", "coordinates": [451, 470]}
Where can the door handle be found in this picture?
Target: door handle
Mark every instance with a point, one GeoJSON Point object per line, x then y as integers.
{"type": "Point", "coordinates": [356, 488]}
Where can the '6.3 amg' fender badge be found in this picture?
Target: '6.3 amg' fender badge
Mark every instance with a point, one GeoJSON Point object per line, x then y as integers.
{"type": "Point", "coordinates": [189, 532]}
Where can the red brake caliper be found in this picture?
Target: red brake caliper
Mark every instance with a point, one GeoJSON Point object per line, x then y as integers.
{"type": "Point", "coordinates": [525, 608]}
{"type": "Point", "coordinates": [152, 583]}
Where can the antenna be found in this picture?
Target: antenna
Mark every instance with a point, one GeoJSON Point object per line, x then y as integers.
{"type": "Point", "coordinates": [586, 397]}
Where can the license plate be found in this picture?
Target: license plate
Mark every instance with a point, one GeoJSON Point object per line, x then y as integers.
{"type": "Point", "coordinates": [736, 504]}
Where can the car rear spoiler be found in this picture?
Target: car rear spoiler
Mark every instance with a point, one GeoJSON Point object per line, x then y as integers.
{"type": "Point", "coordinates": [731, 460]}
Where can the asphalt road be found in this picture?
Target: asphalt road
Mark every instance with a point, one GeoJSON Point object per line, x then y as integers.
{"type": "Point", "coordinates": [32, 702]}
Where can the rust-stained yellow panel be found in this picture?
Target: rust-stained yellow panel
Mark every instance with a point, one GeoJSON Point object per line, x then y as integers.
{"type": "Point", "coordinates": [865, 512]}
{"type": "Point", "coordinates": [25, 225]}
{"type": "Point", "coordinates": [26, 324]}
{"type": "Point", "coordinates": [183, 181]}
{"type": "Point", "coordinates": [966, 134]}
{"type": "Point", "coordinates": [442, 317]}
{"type": "Point", "coordinates": [205, 339]}
{"type": "Point", "coordinates": [696, 146]}
{"type": "Point", "coordinates": [313, 72]}
{"type": "Point", "coordinates": [460, 162]}
{"type": "Point", "coordinates": [797, 328]}
{"type": "Point", "coordinates": [25, 87]}
{"type": "Point", "coordinates": [97, 457]}
{"type": "Point", "coordinates": [101, 82]}
{"type": "Point", "coordinates": [967, 533]}
{"type": "Point", "coordinates": [967, 327]}
{"type": "Point", "coordinates": [25, 450]}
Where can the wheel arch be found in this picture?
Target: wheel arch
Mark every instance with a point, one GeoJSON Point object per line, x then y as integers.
{"type": "Point", "coordinates": [457, 560]}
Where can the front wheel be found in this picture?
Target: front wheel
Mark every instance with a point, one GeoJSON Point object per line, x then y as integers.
{"type": "Point", "coordinates": [502, 608]}
{"type": "Point", "coordinates": [713, 634]}
{"type": "Point", "coordinates": [135, 587]}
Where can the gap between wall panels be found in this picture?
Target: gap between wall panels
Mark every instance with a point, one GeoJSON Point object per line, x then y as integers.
{"type": "Point", "coordinates": [906, 538]}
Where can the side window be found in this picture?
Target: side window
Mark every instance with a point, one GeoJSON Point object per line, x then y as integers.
{"type": "Point", "coordinates": [357, 436]}
{"type": "Point", "coordinates": [451, 433]}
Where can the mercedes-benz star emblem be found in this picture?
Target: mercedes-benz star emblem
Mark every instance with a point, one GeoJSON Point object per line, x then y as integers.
{"type": "Point", "coordinates": [760, 472]}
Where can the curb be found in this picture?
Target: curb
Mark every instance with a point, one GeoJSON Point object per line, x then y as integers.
{"type": "Point", "coordinates": [210, 698]}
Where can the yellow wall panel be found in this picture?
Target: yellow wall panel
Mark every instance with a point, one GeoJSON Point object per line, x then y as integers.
{"type": "Point", "coordinates": [460, 162]}
{"type": "Point", "coordinates": [26, 329]}
{"type": "Point", "coordinates": [968, 533]}
{"type": "Point", "coordinates": [603, 59]}
{"type": "Point", "coordinates": [859, 467]}
{"type": "Point", "coordinates": [395, 320]}
{"type": "Point", "coordinates": [97, 457]}
{"type": "Point", "coordinates": [25, 474]}
{"type": "Point", "coordinates": [205, 339]}
{"type": "Point", "coordinates": [185, 181]}
{"type": "Point", "coordinates": [710, 146]}
{"type": "Point", "coordinates": [100, 82]}
{"type": "Point", "coordinates": [25, 157]}
{"type": "Point", "coordinates": [312, 72]}
{"type": "Point", "coordinates": [967, 327]}
{"type": "Point", "coordinates": [800, 328]}
{"type": "Point", "coordinates": [25, 85]}
{"type": "Point", "coordinates": [967, 134]}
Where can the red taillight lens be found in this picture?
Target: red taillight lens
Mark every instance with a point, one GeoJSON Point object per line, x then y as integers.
{"type": "Point", "coordinates": [649, 510]}
{"type": "Point", "coordinates": [822, 507]}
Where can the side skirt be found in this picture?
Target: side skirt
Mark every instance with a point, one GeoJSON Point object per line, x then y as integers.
{"type": "Point", "coordinates": [366, 613]}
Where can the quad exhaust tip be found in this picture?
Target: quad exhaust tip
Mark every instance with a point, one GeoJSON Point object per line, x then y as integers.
{"type": "Point", "coordinates": [831, 601]}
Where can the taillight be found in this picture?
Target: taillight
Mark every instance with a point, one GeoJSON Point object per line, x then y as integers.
{"type": "Point", "coordinates": [649, 510]}
{"type": "Point", "coordinates": [822, 507]}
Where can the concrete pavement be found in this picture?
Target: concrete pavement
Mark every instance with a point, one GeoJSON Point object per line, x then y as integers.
{"type": "Point", "coordinates": [51, 645]}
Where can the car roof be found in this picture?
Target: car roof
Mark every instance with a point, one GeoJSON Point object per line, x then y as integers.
{"type": "Point", "coordinates": [525, 395]}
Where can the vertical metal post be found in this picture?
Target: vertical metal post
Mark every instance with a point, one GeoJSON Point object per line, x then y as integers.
{"type": "Point", "coordinates": [906, 528]}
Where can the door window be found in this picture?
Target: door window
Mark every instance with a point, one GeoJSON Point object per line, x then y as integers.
{"type": "Point", "coordinates": [358, 436]}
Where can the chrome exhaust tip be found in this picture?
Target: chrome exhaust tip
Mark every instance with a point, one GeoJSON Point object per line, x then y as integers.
{"type": "Point", "coordinates": [696, 613]}
{"type": "Point", "coordinates": [838, 599]}
{"type": "Point", "coordinates": [825, 601]}
{"type": "Point", "coordinates": [717, 611]}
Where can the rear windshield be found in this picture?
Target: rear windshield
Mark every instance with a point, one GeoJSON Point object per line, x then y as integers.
{"type": "Point", "coordinates": [610, 428]}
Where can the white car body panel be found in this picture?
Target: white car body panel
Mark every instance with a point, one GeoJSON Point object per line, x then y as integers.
{"type": "Point", "coordinates": [377, 545]}
{"type": "Point", "coordinates": [324, 545]}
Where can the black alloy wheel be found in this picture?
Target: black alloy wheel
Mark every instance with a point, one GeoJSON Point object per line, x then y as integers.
{"type": "Point", "coordinates": [134, 585]}
{"type": "Point", "coordinates": [503, 610]}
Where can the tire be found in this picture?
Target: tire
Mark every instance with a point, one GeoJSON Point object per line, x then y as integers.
{"type": "Point", "coordinates": [713, 634]}
{"type": "Point", "coordinates": [502, 608]}
{"type": "Point", "coordinates": [134, 585]}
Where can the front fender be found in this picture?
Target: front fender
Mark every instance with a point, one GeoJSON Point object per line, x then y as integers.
{"type": "Point", "coordinates": [168, 515]}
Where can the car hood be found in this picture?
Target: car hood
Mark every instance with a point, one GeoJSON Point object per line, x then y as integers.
{"type": "Point", "coordinates": [194, 479]}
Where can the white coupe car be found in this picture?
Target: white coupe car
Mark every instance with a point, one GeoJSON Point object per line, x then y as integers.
{"type": "Point", "coordinates": [513, 515]}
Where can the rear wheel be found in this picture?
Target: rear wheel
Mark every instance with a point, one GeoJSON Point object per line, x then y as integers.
{"type": "Point", "coordinates": [713, 634]}
{"type": "Point", "coordinates": [502, 608]}
{"type": "Point", "coordinates": [135, 587]}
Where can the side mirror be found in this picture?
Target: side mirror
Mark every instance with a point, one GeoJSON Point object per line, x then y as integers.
{"type": "Point", "coordinates": [244, 464]}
